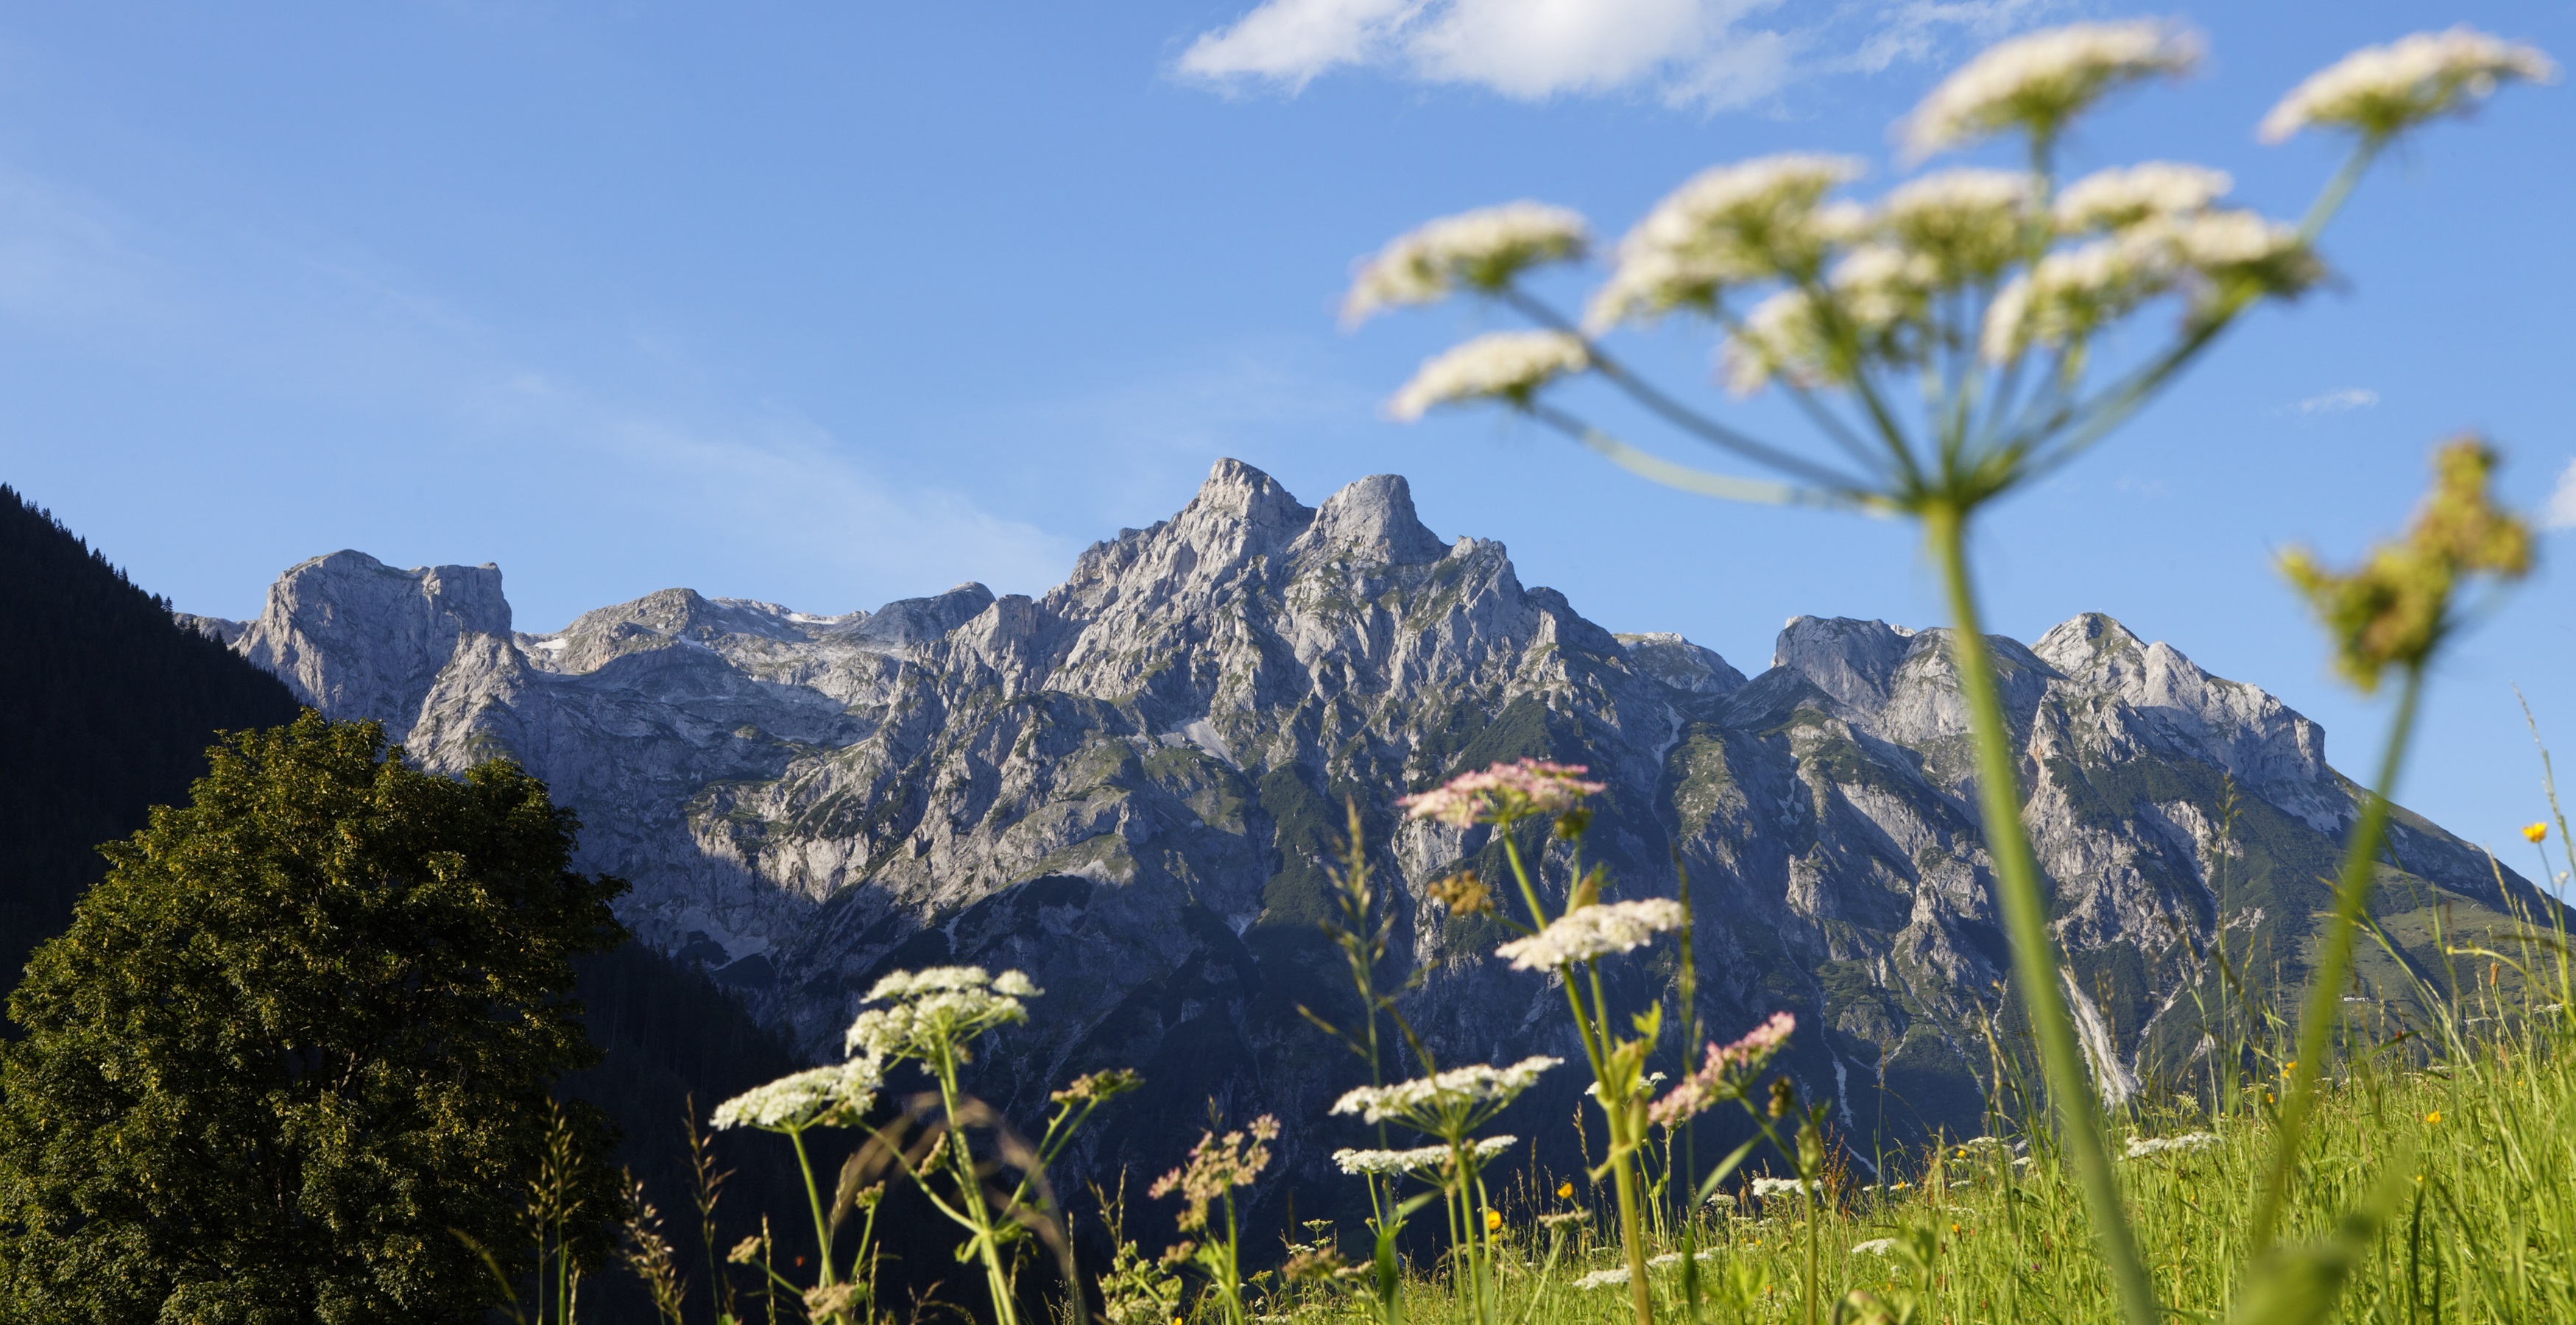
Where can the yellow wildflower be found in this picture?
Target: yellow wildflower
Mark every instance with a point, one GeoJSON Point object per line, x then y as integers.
{"type": "Point", "coordinates": [1493, 1221]}
{"type": "Point", "coordinates": [2435, 1117]}
{"type": "Point", "coordinates": [1565, 1191]}
{"type": "Point", "coordinates": [2535, 833]}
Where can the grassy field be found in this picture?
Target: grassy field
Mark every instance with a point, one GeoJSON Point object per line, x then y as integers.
{"type": "Point", "coordinates": [2468, 1159]}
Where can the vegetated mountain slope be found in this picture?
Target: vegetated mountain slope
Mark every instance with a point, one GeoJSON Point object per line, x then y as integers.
{"type": "Point", "coordinates": [1131, 787]}
{"type": "Point", "coordinates": [106, 709]}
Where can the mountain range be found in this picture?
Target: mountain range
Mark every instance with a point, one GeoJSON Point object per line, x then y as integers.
{"type": "Point", "coordinates": [1133, 786]}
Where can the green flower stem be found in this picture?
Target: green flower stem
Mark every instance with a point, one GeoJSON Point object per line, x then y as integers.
{"type": "Point", "coordinates": [970, 1193]}
{"type": "Point", "coordinates": [814, 1201]}
{"type": "Point", "coordinates": [2334, 963]}
{"type": "Point", "coordinates": [2035, 964]}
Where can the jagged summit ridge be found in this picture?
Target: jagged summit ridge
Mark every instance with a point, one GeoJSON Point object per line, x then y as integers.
{"type": "Point", "coordinates": [1130, 785]}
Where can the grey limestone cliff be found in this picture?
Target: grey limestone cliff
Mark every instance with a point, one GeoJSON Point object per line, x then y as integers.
{"type": "Point", "coordinates": [1131, 787]}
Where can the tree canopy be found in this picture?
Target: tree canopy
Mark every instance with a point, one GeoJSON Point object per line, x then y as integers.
{"type": "Point", "coordinates": [299, 1038]}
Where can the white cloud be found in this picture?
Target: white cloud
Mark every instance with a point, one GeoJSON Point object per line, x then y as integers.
{"type": "Point", "coordinates": [2560, 513]}
{"type": "Point", "coordinates": [2332, 402]}
{"type": "Point", "coordinates": [1706, 53]}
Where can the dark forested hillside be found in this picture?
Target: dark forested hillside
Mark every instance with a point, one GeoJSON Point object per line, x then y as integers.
{"type": "Point", "coordinates": [106, 708]}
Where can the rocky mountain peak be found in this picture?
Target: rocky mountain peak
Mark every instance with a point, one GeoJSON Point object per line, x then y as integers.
{"type": "Point", "coordinates": [1853, 661]}
{"type": "Point", "coordinates": [1373, 520]}
{"type": "Point", "coordinates": [348, 633]}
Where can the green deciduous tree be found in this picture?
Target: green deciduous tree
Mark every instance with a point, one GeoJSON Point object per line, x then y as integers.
{"type": "Point", "coordinates": [298, 1039]}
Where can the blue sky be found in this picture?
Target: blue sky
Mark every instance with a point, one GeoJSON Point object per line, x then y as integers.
{"type": "Point", "coordinates": [831, 304]}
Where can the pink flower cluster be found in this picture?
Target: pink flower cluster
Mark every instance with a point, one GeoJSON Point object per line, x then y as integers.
{"type": "Point", "coordinates": [1725, 1073]}
{"type": "Point", "coordinates": [1504, 793]}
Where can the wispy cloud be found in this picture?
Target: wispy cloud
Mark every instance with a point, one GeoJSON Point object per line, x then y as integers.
{"type": "Point", "coordinates": [1712, 54]}
{"type": "Point", "coordinates": [2560, 513]}
{"type": "Point", "coordinates": [2331, 402]}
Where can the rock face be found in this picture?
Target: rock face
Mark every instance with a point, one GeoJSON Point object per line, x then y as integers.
{"type": "Point", "coordinates": [1132, 787]}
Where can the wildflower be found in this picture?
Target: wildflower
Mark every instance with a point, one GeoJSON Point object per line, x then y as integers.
{"type": "Point", "coordinates": [1725, 1072]}
{"type": "Point", "coordinates": [2381, 91]}
{"type": "Point", "coordinates": [1310, 1264]}
{"type": "Point", "coordinates": [2140, 1146]}
{"type": "Point", "coordinates": [1884, 291]}
{"type": "Point", "coordinates": [825, 1301]}
{"type": "Point", "coordinates": [1098, 1087]}
{"type": "Point", "coordinates": [1970, 223]}
{"type": "Point", "coordinates": [2121, 197]}
{"type": "Point", "coordinates": [2070, 294]}
{"type": "Point", "coordinates": [1651, 1080]}
{"type": "Point", "coordinates": [1784, 336]}
{"type": "Point", "coordinates": [1433, 1103]}
{"type": "Point", "coordinates": [1589, 932]}
{"type": "Point", "coordinates": [2239, 247]}
{"type": "Point", "coordinates": [744, 1251]}
{"type": "Point", "coordinates": [2535, 833]}
{"type": "Point", "coordinates": [1602, 1279]}
{"type": "Point", "coordinates": [1505, 365]}
{"type": "Point", "coordinates": [2434, 1118]}
{"type": "Point", "coordinates": [1874, 1247]}
{"type": "Point", "coordinates": [832, 1096]}
{"type": "Point", "coordinates": [1493, 1221]}
{"type": "Point", "coordinates": [1426, 1160]}
{"type": "Point", "coordinates": [1766, 1188]}
{"type": "Point", "coordinates": [1216, 1166]}
{"type": "Point", "coordinates": [936, 1011]}
{"type": "Point", "coordinates": [1671, 1258]}
{"type": "Point", "coordinates": [1463, 893]}
{"type": "Point", "coordinates": [1480, 250]}
{"type": "Point", "coordinates": [1503, 793]}
{"type": "Point", "coordinates": [1565, 1191]}
{"type": "Point", "coordinates": [2396, 607]}
{"type": "Point", "coordinates": [1728, 226]}
{"type": "Point", "coordinates": [1564, 1218]}
{"type": "Point", "coordinates": [2036, 83]}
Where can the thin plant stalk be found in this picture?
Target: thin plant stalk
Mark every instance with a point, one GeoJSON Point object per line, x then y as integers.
{"type": "Point", "coordinates": [2325, 985]}
{"type": "Point", "coordinates": [2035, 963]}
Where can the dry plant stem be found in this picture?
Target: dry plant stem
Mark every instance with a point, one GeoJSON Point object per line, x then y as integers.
{"type": "Point", "coordinates": [2035, 964]}
{"type": "Point", "coordinates": [2325, 984]}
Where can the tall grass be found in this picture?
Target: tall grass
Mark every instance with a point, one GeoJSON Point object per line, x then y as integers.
{"type": "Point", "coordinates": [2480, 1143]}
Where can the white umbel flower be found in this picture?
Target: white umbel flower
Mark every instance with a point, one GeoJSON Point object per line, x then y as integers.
{"type": "Point", "coordinates": [2140, 1147]}
{"type": "Point", "coordinates": [1501, 365]}
{"type": "Point", "coordinates": [2038, 82]}
{"type": "Point", "coordinates": [937, 1010]}
{"type": "Point", "coordinates": [1601, 1279]}
{"type": "Point", "coordinates": [2124, 196]}
{"type": "Point", "coordinates": [2075, 292]}
{"type": "Point", "coordinates": [1779, 338]}
{"type": "Point", "coordinates": [1478, 250]}
{"type": "Point", "coordinates": [2381, 91]}
{"type": "Point", "coordinates": [1593, 931]}
{"type": "Point", "coordinates": [1425, 1160]}
{"type": "Point", "coordinates": [1727, 226]}
{"type": "Point", "coordinates": [1970, 223]}
{"type": "Point", "coordinates": [1767, 1188]}
{"type": "Point", "coordinates": [2231, 246]}
{"type": "Point", "coordinates": [1480, 1088]}
{"type": "Point", "coordinates": [833, 1096]}
{"type": "Point", "coordinates": [1874, 1247]}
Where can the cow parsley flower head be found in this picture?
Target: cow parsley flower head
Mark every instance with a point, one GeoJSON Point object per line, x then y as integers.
{"type": "Point", "coordinates": [2241, 246]}
{"type": "Point", "coordinates": [1422, 1161]}
{"type": "Point", "coordinates": [1503, 793]}
{"type": "Point", "coordinates": [1769, 1188]}
{"type": "Point", "coordinates": [2123, 196]}
{"type": "Point", "coordinates": [834, 1096]}
{"type": "Point", "coordinates": [1781, 337]}
{"type": "Point", "coordinates": [1589, 932]}
{"type": "Point", "coordinates": [2038, 82]}
{"type": "Point", "coordinates": [1602, 1279]}
{"type": "Point", "coordinates": [937, 1011]}
{"type": "Point", "coordinates": [2382, 91]}
{"type": "Point", "coordinates": [2141, 1147]}
{"type": "Point", "coordinates": [1501, 365]}
{"type": "Point", "coordinates": [1884, 290]}
{"type": "Point", "coordinates": [1970, 223]}
{"type": "Point", "coordinates": [1480, 250]}
{"type": "Point", "coordinates": [2073, 293]}
{"type": "Point", "coordinates": [1728, 226]}
{"type": "Point", "coordinates": [1448, 1104]}
{"type": "Point", "coordinates": [1874, 1247]}
{"type": "Point", "coordinates": [1728, 1069]}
